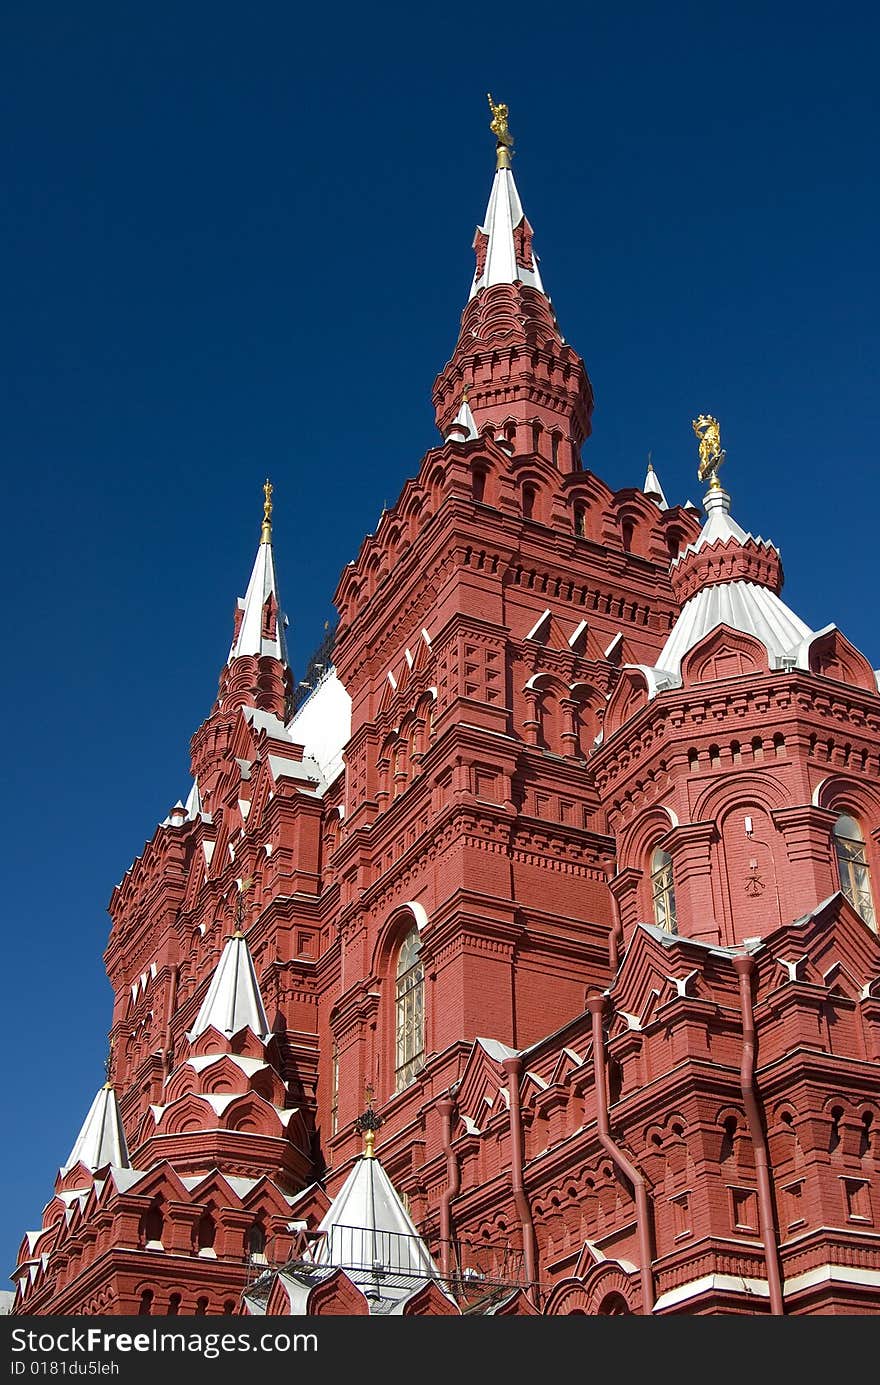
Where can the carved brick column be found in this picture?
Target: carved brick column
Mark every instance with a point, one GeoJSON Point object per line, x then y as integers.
{"type": "Point", "coordinates": [806, 831]}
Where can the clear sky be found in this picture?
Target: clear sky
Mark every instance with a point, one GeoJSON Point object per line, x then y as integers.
{"type": "Point", "coordinates": [237, 242]}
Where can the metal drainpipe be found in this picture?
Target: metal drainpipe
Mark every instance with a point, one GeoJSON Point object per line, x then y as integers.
{"type": "Point", "coordinates": [513, 1067]}
{"type": "Point", "coordinates": [596, 1007]}
{"type": "Point", "coordinates": [169, 1016]}
{"type": "Point", "coordinates": [744, 967]}
{"type": "Point", "coordinates": [453, 1184]}
{"type": "Point", "coordinates": [615, 937]}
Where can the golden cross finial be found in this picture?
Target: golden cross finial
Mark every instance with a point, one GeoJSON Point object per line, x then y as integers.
{"type": "Point", "coordinates": [108, 1065]}
{"type": "Point", "coordinates": [501, 130]}
{"type": "Point", "coordinates": [266, 535]}
{"type": "Point", "coordinates": [712, 454]}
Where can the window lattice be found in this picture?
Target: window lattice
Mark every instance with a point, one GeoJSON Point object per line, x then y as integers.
{"type": "Point", "coordinates": [410, 1010]}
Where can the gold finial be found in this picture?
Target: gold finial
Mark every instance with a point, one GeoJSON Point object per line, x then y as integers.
{"type": "Point", "coordinates": [266, 535]}
{"type": "Point", "coordinates": [243, 887]}
{"type": "Point", "coordinates": [465, 394]}
{"type": "Point", "coordinates": [651, 460]}
{"type": "Point", "coordinates": [368, 1123]}
{"type": "Point", "coordinates": [501, 130]}
{"type": "Point", "coordinates": [108, 1065]}
{"type": "Point", "coordinates": [712, 454]}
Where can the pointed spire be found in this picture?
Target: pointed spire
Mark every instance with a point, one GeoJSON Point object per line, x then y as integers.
{"type": "Point", "coordinates": [367, 1228]}
{"type": "Point", "coordinates": [463, 428]}
{"type": "Point", "coordinates": [233, 1001]}
{"type": "Point", "coordinates": [261, 629]}
{"type": "Point", "coordinates": [524, 378]}
{"type": "Point", "coordinates": [652, 486]}
{"type": "Point", "coordinates": [101, 1139]}
{"type": "Point", "coordinates": [504, 241]}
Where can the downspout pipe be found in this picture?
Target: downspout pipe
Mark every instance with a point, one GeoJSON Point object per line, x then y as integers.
{"type": "Point", "coordinates": [596, 1007]}
{"type": "Point", "coordinates": [513, 1067]}
{"type": "Point", "coordinates": [615, 937]}
{"type": "Point", "coordinates": [169, 1016]}
{"type": "Point", "coordinates": [744, 967]}
{"type": "Point", "coordinates": [453, 1184]}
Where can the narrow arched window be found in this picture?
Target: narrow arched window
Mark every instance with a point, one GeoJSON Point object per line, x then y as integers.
{"type": "Point", "coordinates": [206, 1233]}
{"type": "Point", "coordinates": [334, 1091]}
{"type": "Point", "coordinates": [529, 495]}
{"type": "Point", "coordinates": [410, 1010]}
{"type": "Point", "coordinates": [580, 520]}
{"type": "Point", "coordinates": [256, 1244]}
{"type": "Point", "coordinates": [663, 891]}
{"type": "Point", "coordinates": [852, 866]}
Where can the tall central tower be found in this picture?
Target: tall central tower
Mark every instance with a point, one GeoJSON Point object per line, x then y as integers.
{"type": "Point", "coordinates": [482, 629]}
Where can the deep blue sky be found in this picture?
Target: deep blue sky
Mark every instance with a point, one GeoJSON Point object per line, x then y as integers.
{"type": "Point", "coordinates": [237, 241]}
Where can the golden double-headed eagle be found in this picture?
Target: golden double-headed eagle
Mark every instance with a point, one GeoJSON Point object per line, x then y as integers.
{"type": "Point", "coordinates": [501, 130]}
{"type": "Point", "coordinates": [711, 452]}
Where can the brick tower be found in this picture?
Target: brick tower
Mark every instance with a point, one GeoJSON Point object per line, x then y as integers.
{"type": "Point", "coordinates": [569, 858]}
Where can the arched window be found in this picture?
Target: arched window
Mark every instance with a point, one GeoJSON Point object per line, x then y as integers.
{"type": "Point", "coordinates": [529, 495]}
{"type": "Point", "coordinates": [663, 891]}
{"type": "Point", "coordinates": [409, 1010]}
{"type": "Point", "coordinates": [256, 1244]}
{"type": "Point", "coordinates": [580, 520]}
{"type": "Point", "coordinates": [852, 865]}
{"type": "Point", "coordinates": [206, 1234]}
{"type": "Point", "coordinates": [152, 1226]}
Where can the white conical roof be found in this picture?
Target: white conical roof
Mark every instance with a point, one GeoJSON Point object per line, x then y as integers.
{"type": "Point", "coordinates": [233, 1001]}
{"type": "Point", "coordinates": [367, 1228]}
{"type": "Point", "coordinates": [653, 488]}
{"type": "Point", "coordinates": [746, 606]}
{"type": "Point", "coordinates": [102, 1139]}
{"type": "Point", "coordinates": [503, 214]}
{"type": "Point", "coordinates": [263, 584]}
{"type": "Point", "coordinates": [463, 425]}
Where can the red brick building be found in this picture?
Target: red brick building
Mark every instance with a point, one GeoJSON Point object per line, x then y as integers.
{"type": "Point", "coordinates": [571, 856]}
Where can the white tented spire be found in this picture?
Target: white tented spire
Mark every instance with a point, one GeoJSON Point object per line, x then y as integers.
{"type": "Point", "coordinates": [503, 214]}
{"type": "Point", "coordinates": [261, 631]}
{"type": "Point", "coordinates": [102, 1139]}
{"type": "Point", "coordinates": [367, 1230]}
{"type": "Point", "coordinates": [463, 428]}
{"type": "Point", "coordinates": [233, 1001]}
{"type": "Point", "coordinates": [262, 588]}
{"type": "Point", "coordinates": [653, 488]}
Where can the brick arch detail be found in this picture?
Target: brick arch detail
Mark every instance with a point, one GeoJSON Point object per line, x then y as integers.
{"type": "Point", "coordinates": [586, 1295]}
{"type": "Point", "coordinates": [841, 793]}
{"type": "Point", "coordinates": [720, 798]}
{"type": "Point", "coordinates": [643, 833]}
